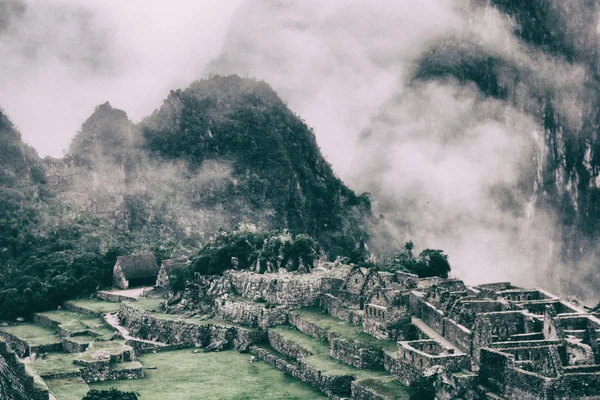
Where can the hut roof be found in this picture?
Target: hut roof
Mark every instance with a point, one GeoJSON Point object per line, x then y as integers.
{"type": "Point", "coordinates": [138, 266]}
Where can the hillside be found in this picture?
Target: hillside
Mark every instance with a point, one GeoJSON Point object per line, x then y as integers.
{"type": "Point", "coordinates": [224, 151]}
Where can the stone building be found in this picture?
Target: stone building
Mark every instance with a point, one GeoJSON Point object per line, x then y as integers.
{"type": "Point", "coordinates": [134, 271]}
{"type": "Point", "coordinates": [166, 269]}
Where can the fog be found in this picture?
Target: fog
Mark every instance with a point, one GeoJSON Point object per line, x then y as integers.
{"type": "Point", "coordinates": [61, 58]}
{"type": "Point", "coordinates": [452, 162]}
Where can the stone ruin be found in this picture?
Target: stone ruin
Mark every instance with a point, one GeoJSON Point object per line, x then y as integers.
{"type": "Point", "coordinates": [510, 341]}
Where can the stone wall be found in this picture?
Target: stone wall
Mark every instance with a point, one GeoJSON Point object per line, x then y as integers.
{"type": "Point", "coordinates": [333, 385]}
{"type": "Point", "coordinates": [71, 346]}
{"type": "Point", "coordinates": [310, 328]}
{"type": "Point", "coordinates": [411, 363]}
{"type": "Point", "coordinates": [356, 355]}
{"type": "Point", "coordinates": [192, 333]}
{"type": "Point", "coordinates": [362, 392]}
{"type": "Point", "coordinates": [20, 347]}
{"type": "Point", "coordinates": [336, 307]}
{"type": "Point", "coordinates": [287, 347]}
{"type": "Point", "coordinates": [115, 297]}
{"type": "Point", "coordinates": [252, 314]}
{"type": "Point", "coordinates": [458, 335]}
{"type": "Point", "coordinates": [432, 317]}
{"type": "Point", "coordinates": [283, 288]}
{"type": "Point", "coordinates": [82, 310]}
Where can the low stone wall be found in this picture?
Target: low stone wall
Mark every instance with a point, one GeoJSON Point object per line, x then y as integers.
{"type": "Point", "coordinates": [128, 373]}
{"type": "Point", "coordinates": [335, 386]}
{"type": "Point", "coordinates": [310, 328]}
{"type": "Point", "coordinates": [61, 375]}
{"type": "Point", "coordinates": [45, 321]}
{"type": "Point", "coordinates": [360, 392]}
{"type": "Point", "coordinates": [145, 325]}
{"type": "Point", "coordinates": [94, 370]}
{"type": "Point", "coordinates": [82, 310]}
{"type": "Point", "coordinates": [355, 355]}
{"type": "Point", "coordinates": [20, 347]}
{"type": "Point", "coordinates": [287, 347]}
{"type": "Point", "coordinates": [251, 314]}
{"type": "Point", "coordinates": [115, 297]}
{"type": "Point", "coordinates": [71, 346]}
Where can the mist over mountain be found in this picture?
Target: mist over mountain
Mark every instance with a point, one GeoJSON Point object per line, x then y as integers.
{"type": "Point", "coordinates": [224, 151]}
{"type": "Point", "coordinates": [472, 123]}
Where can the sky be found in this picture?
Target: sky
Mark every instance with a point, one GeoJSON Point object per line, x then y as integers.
{"type": "Point", "coordinates": [61, 58]}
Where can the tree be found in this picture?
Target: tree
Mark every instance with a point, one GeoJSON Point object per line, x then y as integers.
{"type": "Point", "coordinates": [111, 394]}
{"type": "Point", "coordinates": [429, 263]}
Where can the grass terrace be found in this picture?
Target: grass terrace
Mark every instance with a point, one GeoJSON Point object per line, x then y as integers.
{"type": "Point", "coordinates": [388, 388]}
{"type": "Point", "coordinates": [113, 347]}
{"type": "Point", "coordinates": [321, 359]}
{"type": "Point", "coordinates": [345, 330]}
{"type": "Point", "coordinates": [97, 305]}
{"type": "Point", "coordinates": [184, 375]}
{"type": "Point", "coordinates": [148, 304]}
{"type": "Point", "coordinates": [54, 363]}
{"type": "Point", "coordinates": [35, 335]}
{"type": "Point", "coordinates": [75, 323]}
{"type": "Point", "coordinates": [68, 388]}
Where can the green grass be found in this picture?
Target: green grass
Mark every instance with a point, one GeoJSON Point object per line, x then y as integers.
{"type": "Point", "coordinates": [388, 388]}
{"type": "Point", "coordinates": [126, 365]}
{"type": "Point", "coordinates": [35, 335]}
{"type": "Point", "coordinates": [97, 305]}
{"type": "Point", "coordinates": [321, 359]}
{"type": "Point", "coordinates": [75, 322]}
{"type": "Point", "coordinates": [68, 389]}
{"type": "Point", "coordinates": [54, 363]}
{"type": "Point", "coordinates": [184, 375]}
{"type": "Point", "coordinates": [113, 347]}
{"type": "Point", "coordinates": [148, 304]}
{"type": "Point", "coordinates": [345, 330]}
{"type": "Point", "coordinates": [82, 339]}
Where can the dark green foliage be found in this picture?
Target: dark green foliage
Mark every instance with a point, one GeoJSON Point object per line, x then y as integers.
{"type": "Point", "coordinates": [246, 247]}
{"type": "Point", "coordinates": [423, 388]}
{"type": "Point", "coordinates": [429, 263]}
{"type": "Point", "coordinates": [276, 161]}
{"type": "Point", "coordinates": [111, 394]}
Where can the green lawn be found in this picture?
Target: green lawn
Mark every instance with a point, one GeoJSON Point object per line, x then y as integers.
{"type": "Point", "coordinates": [345, 330]}
{"type": "Point", "coordinates": [68, 389]}
{"type": "Point", "coordinates": [35, 335]}
{"type": "Point", "coordinates": [97, 305]}
{"type": "Point", "coordinates": [75, 322]}
{"type": "Point", "coordinates": [184, 375]}
{"type": "Point", "coordinates": [54, 363]}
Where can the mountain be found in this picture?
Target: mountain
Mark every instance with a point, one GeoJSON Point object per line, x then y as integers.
{"type": "Point", "coordinates": [555, 82]}
{"type": "Point", "coordinates": [224, 151]}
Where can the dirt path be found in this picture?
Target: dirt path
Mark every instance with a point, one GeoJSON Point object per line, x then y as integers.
{"type": "Point", "coordinates": [132, 293]}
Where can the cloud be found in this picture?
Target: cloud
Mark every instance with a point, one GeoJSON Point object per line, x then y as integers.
{"type": "Point", "coordinates": [437, 108]}
{"type": "Point", "coordinates": [61, 58]}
